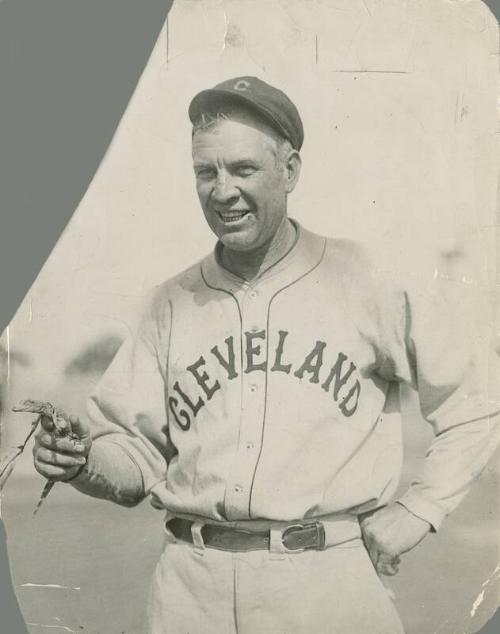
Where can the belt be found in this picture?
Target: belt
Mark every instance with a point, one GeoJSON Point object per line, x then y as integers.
{"type": "Point", "coordinates": [293, 537]}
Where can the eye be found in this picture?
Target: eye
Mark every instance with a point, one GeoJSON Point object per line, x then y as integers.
{"type": "Point", "coordinates": [245, 169]}
{"type": "Point", "coordinates": [204, 173]}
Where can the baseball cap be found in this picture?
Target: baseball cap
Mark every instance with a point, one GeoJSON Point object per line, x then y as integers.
{"type": "Point", "coordinates": [269, 102]}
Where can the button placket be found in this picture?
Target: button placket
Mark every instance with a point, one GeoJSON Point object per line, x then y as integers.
{"type": "Point", "coordinates": [254, 320]}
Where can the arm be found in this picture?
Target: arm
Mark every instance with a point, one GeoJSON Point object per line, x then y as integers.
{"type": "Point", "coordinates": [98, 469]}
{"type": "Point", "coordinates": [457, 375]}
{"type": "Point", "coordinates": [445, 356]}
{"type": "Point", "coordinates": [110, 474]}
{"type": "Point", "coordinates": [125, 440]}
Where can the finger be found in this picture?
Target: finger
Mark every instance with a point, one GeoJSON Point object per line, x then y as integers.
{"type": "Point", "coordinates": [51, 457]}
{"type": "Point", "coordinates": [47, 423]}
{"type": "Point", "coordinates": [374, 556]}
{"type": "Point", "coordinates": [63, 425]}
{"type": "Point", "coordinates": [53, 472]}
{"type": "Point", "coordinates": [79, 427]}
{"type": "Point", "coordinates": [388, 565]}
{"type": "Point", "coordinates": [63, 444]}
{"type": "Point", "coordinates": [367, 541]}
{"type": "Point", "coordinates": [387, 569]}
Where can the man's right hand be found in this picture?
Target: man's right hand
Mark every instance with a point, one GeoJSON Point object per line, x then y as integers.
{"type": "Point", "coordinates": [61, 457]}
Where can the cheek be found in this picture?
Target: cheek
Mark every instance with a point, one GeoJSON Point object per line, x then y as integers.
{"type": "Point", "coordinates": [266, 191]}
{"type": "Point", "coordinates": [273, 198]}
{"type": "Point", "coordinates": [203, 194]}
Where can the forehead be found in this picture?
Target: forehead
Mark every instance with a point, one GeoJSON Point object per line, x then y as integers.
{"type": "Point", "coordinates": [233, 138]}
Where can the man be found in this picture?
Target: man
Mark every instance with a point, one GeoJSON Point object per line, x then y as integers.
{"type": "Point", "coordinates": [258, 404]}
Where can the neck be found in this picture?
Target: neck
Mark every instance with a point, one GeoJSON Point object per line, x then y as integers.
{"type": "Point", "coordinates": [250, 264]}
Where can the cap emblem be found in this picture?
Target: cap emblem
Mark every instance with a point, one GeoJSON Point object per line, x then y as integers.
{"type": "Point", "coordinates": [242, 84]}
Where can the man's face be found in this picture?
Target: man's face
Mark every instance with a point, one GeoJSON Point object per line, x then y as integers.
{"type": "Point", "coordinates": [241, 187]}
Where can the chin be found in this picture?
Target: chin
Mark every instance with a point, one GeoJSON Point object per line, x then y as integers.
{"type": "Point", "coordinates": [238, 241]}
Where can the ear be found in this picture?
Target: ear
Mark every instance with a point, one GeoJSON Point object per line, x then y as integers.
{"type": "Point", "coordinates": [292, 165]}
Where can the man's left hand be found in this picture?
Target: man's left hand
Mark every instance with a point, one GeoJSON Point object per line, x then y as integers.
{"type": "Point", "coordinates": [388, 533]}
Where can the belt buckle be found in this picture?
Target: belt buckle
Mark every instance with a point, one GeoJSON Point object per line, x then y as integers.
{"type": "Point", "coordinates": [320, 536]}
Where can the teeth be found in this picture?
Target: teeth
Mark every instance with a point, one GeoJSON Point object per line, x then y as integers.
{"type": "Point", "coordinates": [232, 217]}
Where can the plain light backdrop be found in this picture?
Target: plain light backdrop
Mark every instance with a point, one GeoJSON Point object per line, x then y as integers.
{"type": "Point", "coordinates": [399, 103]}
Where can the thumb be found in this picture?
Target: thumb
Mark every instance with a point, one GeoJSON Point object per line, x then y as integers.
{"type": "Point", "coordinates": [79, 427]}
{"type": "Point", "coordinates": [373, 553]}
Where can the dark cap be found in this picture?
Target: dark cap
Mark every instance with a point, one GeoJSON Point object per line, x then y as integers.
{"type": "Point", "coordinates": [269, 102]}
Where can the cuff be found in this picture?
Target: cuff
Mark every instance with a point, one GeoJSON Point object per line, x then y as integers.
{"type": "Point", "coordinates": [83, 473]}
{"type": "Point", "coordinates": [110, 474]}
{"type": "Point", "coordinates": [77, 473]}
{"type": "Point", "coordinates": [95, 458]}
{"type": "Point", "coordinates": [424, 508]}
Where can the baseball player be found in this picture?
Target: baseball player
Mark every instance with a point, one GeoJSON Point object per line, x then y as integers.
{"type": "Point", "coordinates": [258, 404]}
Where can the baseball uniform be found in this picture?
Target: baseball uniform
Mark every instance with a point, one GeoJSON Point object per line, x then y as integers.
{"type": "Point", "coordinates": [277, 400]}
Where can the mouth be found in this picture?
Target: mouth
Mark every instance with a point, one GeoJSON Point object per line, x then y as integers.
{"type": "Point", "coordinates": [229, 217]}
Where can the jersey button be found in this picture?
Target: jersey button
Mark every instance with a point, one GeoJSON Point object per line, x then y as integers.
{"type": "Point", "coordinates": [252, 294]}
{"type": "Point", "coordinates": [253, 388]}
{"type": "Point", "coordinates": [238, 489]}
{"type": "Point", "coordinates": [249, 445]}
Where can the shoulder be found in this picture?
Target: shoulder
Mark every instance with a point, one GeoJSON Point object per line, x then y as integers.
{"type": "Point", "coordinates": [341, 252]}
{"type": "Point", "coordinates": [160, 298]}
{"type": "Point", "coordinates": [353, 262]}
{"type": "Point", "coordinates": [185, 281]}
{"type": "Point", "coordinates": [380, 264]}
{"type": "Point", "coordinates": [380, 276]}
{"type": "Point", "coordinates": [349, 255]}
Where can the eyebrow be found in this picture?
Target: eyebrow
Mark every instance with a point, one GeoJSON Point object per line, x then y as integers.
{"type": "Point", "coordinates": [243, 161]}
{"type": "Point", "coordinates": [235, 163]}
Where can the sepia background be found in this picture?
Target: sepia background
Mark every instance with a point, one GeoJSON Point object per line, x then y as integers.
{"type": "Point", "coordinates": [399, 102]}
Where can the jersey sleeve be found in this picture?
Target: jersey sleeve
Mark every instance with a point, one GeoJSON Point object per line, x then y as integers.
{"type": "Point", "coordinates": [450, 361]}
{"type": "Point", "coordinates": [127, 416]}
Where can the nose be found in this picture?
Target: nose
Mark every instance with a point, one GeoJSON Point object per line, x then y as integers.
{"type": "Point", "coordinates": [225, 190]}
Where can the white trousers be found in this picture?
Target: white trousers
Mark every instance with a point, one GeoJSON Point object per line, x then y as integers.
{"type": "Point", "coordinates": [335, 591]}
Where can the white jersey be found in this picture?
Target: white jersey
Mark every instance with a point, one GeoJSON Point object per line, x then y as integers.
{"type": "Point", "coordinates": [279, 398]}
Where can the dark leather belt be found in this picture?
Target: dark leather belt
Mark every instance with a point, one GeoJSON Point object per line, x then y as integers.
{"type": "Point", "coordinates": [295, 537]}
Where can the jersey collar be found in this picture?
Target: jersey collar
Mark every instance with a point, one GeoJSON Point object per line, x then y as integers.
{"type": "Point", "coordinates": [305, 254]}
